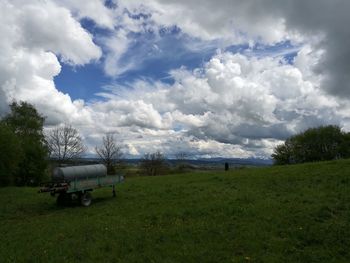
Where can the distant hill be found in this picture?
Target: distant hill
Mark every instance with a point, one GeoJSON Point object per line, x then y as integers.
{"type": "Point", "coordinates": [206, 162]}
{"type": "Point", "coordinates": [239, 161]}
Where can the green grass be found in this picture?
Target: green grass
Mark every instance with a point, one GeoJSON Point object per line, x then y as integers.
{"type": "Point", "coordinates": [280, 214]}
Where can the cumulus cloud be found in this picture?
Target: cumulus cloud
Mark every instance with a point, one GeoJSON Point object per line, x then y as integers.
{"type": "Point", "coordinates": [35, 34]}
{"type": "Point", "coordinates": [253, 98]}
{"type": "Point", "coordinates": [210, 20]}
{"type": "Point", "coordinates": [49, 27]}
{"type": "Point", "coordinates": [92, 9]}
{"type": "Point", "coordinates": [320, 22]}
{"type": "Point", "coordinates": [238, 105]}
{"type": "Point", "coordinates": [235, 102]}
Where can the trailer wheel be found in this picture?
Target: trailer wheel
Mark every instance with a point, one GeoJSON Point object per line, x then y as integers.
{"type": "Point", "coordinates": [86, 199]}
{"type": "Point", "coordinates": [61, 199]}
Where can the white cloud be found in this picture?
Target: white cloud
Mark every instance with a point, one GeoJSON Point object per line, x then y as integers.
{"type": "Point", "coordinates": [51, 28]}
{"type": "Point", "coordinates": [234, 105]}
{"type": "Point", "coordinates": [231, 20]}
{"type": "Point", "coordinates": [116, 47]}
{"type": "Point", "coordinates": [92, 9]}
{"type": "Point", "coordinates": [321, 23]}
{"type": "Point", "coordinates": [122, 113]}
{"type": "Point", "coordinates": [34, 34]}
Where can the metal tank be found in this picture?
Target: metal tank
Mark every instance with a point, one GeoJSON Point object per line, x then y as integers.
{"type": "Point", "coordinates": [78, 172]}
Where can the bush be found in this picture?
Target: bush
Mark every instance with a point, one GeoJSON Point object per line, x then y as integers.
{"type": "Point", "coordinates": [315, 144]}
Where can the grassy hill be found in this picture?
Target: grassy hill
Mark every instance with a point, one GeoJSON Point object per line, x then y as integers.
{"type": "Point", "coordinates": [280, 214]}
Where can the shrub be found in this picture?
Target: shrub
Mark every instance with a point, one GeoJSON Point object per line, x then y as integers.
{"type": "Point", "coordinates": [315, 144]}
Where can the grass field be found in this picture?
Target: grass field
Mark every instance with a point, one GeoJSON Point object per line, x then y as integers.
{"type": "Point", "coordinates": [278, 214]}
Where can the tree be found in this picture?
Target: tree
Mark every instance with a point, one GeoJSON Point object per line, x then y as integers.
{"type": "Point", "coordinates": [65, 144]}
{"type": "Point", "coordinates": [315, 144]}
{"type": "Point", "coordinates": [181, 158]}
{"type": "Point", "coordinates": [27, 124]}
{"type": "Point", "coordinates": [153, 164]}
{"type": "Point", "coordinates": [109, 152]}
{"type": "Point", "coordinates": [283, 153]}
{"type": "Point", "coordinates": [10, 155]}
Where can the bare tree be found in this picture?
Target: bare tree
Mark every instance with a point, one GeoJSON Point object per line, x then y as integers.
{"type": "Point", "coordinates": [153, 164]}
{"type": "Point", "coordinates": [109, 152]}
{"type": "Point", "coordinates": [181, 158]}
{"type": "Point", "coordinates": [65, 144]}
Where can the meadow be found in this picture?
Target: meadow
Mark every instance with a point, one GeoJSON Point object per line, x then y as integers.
{"type": "Point", "coordinates": [298, 213]}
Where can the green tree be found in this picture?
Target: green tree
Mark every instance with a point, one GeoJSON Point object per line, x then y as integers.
{"type": "Point", "coordinates": [345, 146]}
{"type": "Point", "coordinates": [315, 144]}
{"type": "Point", "coordinates": [10, 155]}
{"type": "Point", "coordinates": [283, 153]}
{"type": "Point", "coordinates": [27, 125]}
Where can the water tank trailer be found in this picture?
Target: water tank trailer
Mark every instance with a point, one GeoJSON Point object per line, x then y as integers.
{"type": "Point", "coordinates": [76, 182]}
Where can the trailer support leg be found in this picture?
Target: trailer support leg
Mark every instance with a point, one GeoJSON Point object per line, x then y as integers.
{"type": "Point", "coordinates": [113, 191]}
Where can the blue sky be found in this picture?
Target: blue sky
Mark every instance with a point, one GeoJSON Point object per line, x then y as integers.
{"type": "Point", "coordinates": [158, 53]}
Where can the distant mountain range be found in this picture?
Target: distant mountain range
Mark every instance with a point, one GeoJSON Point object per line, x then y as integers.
{"type": "Point", "coordinates": [205, 161]}
{"type": "Point", "coordinates": [238, 161]}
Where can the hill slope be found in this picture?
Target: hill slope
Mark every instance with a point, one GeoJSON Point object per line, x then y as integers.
{"type": "Point", "coordinates": [280, 214]}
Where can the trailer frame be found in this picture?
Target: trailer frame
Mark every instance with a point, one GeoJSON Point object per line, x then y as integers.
{"type": "Point", "coordinates": [80, 188]}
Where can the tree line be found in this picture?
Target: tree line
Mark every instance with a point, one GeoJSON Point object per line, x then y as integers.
{"type": "Point", "coordinates": [315, 144]}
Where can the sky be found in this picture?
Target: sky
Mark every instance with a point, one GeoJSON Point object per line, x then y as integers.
{"type": "Point", "coordinates": [224, 78]}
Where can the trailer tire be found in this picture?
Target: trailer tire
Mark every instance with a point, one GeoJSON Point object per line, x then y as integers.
{"type": "Point", "coordinates": [86, 199]}
{"type": "Point", "coordinates": [61, 199]}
